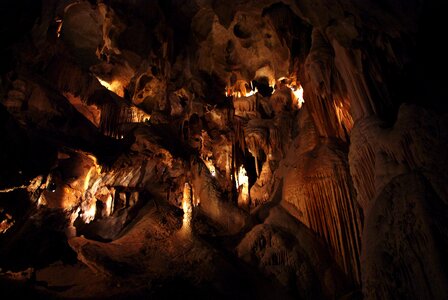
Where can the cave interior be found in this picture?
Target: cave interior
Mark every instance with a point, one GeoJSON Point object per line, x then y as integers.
{"type": "Point", "coordinates": [211, 149]}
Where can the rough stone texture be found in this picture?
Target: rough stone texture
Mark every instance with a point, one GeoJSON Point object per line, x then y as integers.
{"type": "Point", "coordinates": [326, 91]}
{"type": "Point", "coordinates": [415, 142]}
{"type": "Point", "coordinates": [110, 109]}
{"type": "Point", "coordinates": [403, 239]}
{"type": "Point", "coordinates": [317, 189]}
{"type": "Point", "coordinates": [286, 250]}
{"type": "Point", "coordinates": [155, 250]}
{"type": "Point", "coordinates": [393, 171]}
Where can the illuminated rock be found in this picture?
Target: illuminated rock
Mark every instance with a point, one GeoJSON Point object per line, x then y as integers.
{"type": "Point", "coordinates": [317, 189]}
{"type": "Point", "coordinates": [169, 146]}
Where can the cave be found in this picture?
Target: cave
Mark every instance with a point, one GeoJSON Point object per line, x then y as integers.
{"type": "Point", "coordinates": [211, 149]}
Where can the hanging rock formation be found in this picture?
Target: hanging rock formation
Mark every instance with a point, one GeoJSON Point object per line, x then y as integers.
{"type": "Point", "coordinates": [317, 189]}
{"type": "Point", "coordinates": [225, 149]}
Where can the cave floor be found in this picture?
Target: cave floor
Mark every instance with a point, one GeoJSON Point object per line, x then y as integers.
{"type": "Point", "coordinates": [155, 258]}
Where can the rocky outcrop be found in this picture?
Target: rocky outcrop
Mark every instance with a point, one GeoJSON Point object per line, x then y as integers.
{"type": "Point", "coordinates": [403, 241]}
{"type": "Point", "coordinates": [275, 125]}
{"type": "Point", "coordinates": [393, 169]}
{"type": "Point", "coordinates": [325, 90]}
{"type": "Point", "coordinates": [317, 190]}
{"type": "Point", "coordinates": [212, 202]}
{"type": "Point", "coordinates": [285, 249]}
{"type": "Point", "coordinates": [378, 154]}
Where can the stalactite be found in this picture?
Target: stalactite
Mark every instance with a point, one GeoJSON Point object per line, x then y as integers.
{"type": "Point", "coordinates": [325, 90]}
{"type": "Point", "coordinates": [349, 63]}
{"type": "Point", "coordinates": [233, 168]}
{"type": "Point", "coordinates": [257, 136]}
{"type": "Point", "coordinates": [256, 165]}
{"type": "Point", "coordinates": [362, 161]}
{"type": "Point", "coordinates": [275, 139]}
{"type": "Point", "coordinates": [242, 186]}
{"type": "Point", "coordinates": [318, 186]}
{"type": "Point", "coordinates": [345, 120]}
{"type": "Point", "coordinates": [331, 210]}
{"type": "Point", "coordinates": [115, 115]}
{"type": "Point", "coordinates": [214, 204]}
{"type": "Point", "coordinates": [238, 130]}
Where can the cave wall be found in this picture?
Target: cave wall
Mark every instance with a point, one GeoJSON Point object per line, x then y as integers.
{"type": "Point", "coordinates": [147, 96]}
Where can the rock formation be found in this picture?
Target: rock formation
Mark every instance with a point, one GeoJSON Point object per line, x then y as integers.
{"type": "Point", "coordinates": [222, 149]}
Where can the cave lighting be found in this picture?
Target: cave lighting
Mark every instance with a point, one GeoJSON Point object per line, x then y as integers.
{"type": "Point", "coordinates": [115, 86]}
{"type": "Point", "coordinates": [298, 94]}
{"type": "Point", "coordinates": [242, 183]}
{"type": "Point", "coordinates": [7, 223]}
{"type": "Point", "coordinates": [8, 190]}
{"type": "Point", "coordinates": [109, 203]}
{"type": "Point", "coordinates": [210, 166]}
{"type": "Point", "coordinates": [90, 187]}
{"type": "Point", "coordinates": [272, 85]}
{"type": "Point", "coordinates": [58, 30]}
{"type": "Point", "coordinates": [343, 115]}
{"type": "Point", "coordinates": [296, 89]}
{"type": "Point", "coordinates": [252, 92]}
{"type": "Point", "coordinates": [89, 214]}
{"type": "Point", "coordinates": [139, 115]}
{"type": "Point", "coordinates": [239, 90]}
{"type": "Point", "coordinates": [187, 208]}
{"type": "Point", "coordinates": [239, 94]}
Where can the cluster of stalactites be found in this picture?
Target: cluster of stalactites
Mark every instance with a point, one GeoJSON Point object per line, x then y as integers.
{"type": "Point", "coordinates": [326, 91]}
{"type": "Point", "coordinates": [250, 129]}
{"type": "Point", "coordinates": [243, 89]}
{"type": "Point", "coordinates": [327, 204]}
{"type": "Point", "coordinates": [114, 118]}
{"type": "Point", "coordinates": [240, 89]}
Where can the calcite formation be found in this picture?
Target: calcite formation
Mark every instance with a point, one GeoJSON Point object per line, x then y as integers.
{"type": "Point", "coordinates": [222, 149]}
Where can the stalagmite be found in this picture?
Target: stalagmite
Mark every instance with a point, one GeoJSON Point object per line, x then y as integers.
{"type": "Point", "coordinates": [187, 207]}
{"type": "Point", "coordinates": [242, 185]}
